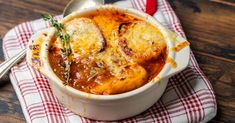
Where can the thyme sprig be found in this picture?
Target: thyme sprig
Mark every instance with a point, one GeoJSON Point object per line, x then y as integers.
{"type": "Point", "coordinates": [54, 23]}
{"type": "Point", "coordinates": [66, 48]}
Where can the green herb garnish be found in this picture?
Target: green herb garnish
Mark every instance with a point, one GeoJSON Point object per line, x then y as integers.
{"type": "Point", "coordinates": [54, 22]}
{"type": "Point", "coordinates": [65, 41]}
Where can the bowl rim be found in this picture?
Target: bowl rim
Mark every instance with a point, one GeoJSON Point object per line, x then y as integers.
{"type": "Point", "coordinates": [154, 82]}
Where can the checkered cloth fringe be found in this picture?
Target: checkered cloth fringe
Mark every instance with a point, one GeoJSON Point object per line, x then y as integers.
{"type": "Point", "coordinates": [188, 97]}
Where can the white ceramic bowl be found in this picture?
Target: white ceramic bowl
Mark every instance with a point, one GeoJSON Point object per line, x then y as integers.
{"type": "Point", "coordinates": [108, 107]}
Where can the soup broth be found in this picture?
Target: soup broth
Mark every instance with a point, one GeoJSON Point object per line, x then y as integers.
{"type": "Point", "coordinates": [111, 53]}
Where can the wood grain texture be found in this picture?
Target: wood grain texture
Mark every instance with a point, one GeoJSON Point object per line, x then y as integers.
{"type": "Point", "coordinates": [12, 13]}
{"type": "Point", "coordinates": [209, 26]}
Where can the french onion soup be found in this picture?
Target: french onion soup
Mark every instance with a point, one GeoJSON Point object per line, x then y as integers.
{"type": "Point", "coordinates": [107, 52]}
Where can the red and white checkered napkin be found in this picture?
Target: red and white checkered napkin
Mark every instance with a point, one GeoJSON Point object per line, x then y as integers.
{"type": "Point", "coordinates": [188, 97]}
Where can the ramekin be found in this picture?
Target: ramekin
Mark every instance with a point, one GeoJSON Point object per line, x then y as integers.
{"type": "Point", "coordinates": [109, 107]}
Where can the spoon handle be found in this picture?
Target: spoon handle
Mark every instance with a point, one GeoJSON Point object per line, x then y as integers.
{"type": "Point", "coordinates": [6, 65]}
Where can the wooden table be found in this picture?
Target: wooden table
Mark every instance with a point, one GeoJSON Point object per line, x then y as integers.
{"type": "Point", "coordinates": [209, 26]}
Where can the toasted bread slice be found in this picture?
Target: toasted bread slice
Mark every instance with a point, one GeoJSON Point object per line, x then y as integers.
{"type": "Point", "coordinates": [141, 41]}
{"type": "Point", "coordinates": [85, 37]}
{"type": "Point", "coordinates": [132, 77]}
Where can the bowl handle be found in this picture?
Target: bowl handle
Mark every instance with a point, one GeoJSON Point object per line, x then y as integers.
{"type": "Point", "coordinates": [181, 56]}
{"type": "Point", "coordinates": [37, 45]}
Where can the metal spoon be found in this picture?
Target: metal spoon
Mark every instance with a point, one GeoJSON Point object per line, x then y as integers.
{"type": "Point", "coordinates": [71, 6]}
{"type": "Point", "coordinates": [80, 4]}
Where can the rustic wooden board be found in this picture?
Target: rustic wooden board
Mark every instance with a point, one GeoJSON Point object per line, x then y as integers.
{"type": "Point", "coordinates": [209, 26]}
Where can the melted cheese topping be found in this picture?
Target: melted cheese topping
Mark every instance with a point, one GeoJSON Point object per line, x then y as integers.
{"type": "Point", "coordinates": [143, 40]}
{"type": "Point", "coordinates": [172, 62]}
{"type": "Point", "coordinates": [101, 64]}
{"type": "Point", "coordinates": [180, 46]}
{"type": "Point", "coordinates": [86, 38]}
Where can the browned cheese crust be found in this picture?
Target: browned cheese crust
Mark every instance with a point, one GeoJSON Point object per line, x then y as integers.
{"type": "Point", "coordinates": [112, 53]}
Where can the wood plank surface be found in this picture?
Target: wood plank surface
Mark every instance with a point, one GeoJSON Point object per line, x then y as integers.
{"type": "Point", "coordinates": [209, 26]}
